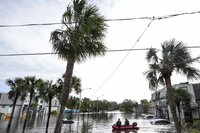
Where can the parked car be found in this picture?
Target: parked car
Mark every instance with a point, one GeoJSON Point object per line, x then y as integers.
{"type": "Point", "coordinates": [160, 122]}
{"type": "Point", "coordinates": [149, 116]}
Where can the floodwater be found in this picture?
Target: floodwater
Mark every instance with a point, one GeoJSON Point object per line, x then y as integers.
{"type": "Point", "coordinates": [88, 123]}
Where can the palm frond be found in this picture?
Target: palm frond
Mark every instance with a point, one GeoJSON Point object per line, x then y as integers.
{"type": "Point", "coordinates": [151, 55]}
{"type": "Point", "coordinates": [84, 33]}
{"type": "Point", "coordinates": [151, 76]}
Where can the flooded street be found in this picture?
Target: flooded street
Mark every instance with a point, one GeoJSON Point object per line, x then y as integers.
{"type": "Point", "coordinates": [92, 123]}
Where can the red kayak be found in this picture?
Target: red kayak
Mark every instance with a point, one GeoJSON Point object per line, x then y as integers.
{"type": "Point", "coordinates": [130, 127]}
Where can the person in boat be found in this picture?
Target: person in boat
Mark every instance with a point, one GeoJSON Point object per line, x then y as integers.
{"type": "Point", "coordinates": [134, 124]}
{"type": "Point", "coordinates": [126, 123]}
{"type": "Point", "coordinates": [118, 123]}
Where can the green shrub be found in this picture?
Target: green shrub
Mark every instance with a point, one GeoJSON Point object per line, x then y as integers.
{"type": "Point", "coordinates": [121, 109]}
{"type": "Point", "coordinates": [195, 131]}
{"type": "Point", "coordinates": [193, 127]}
{"type": "Point", "coordinates": [54, 112]}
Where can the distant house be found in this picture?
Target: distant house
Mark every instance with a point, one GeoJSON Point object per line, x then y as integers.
{"type": "Point", "coordinates": [6, 105]}
{"type": "Point", "coordinates": [42, 106]}
{"type": "Point", "coordinates": [21, 107]}
{"type": "Point", "coordinates": [161, 109]}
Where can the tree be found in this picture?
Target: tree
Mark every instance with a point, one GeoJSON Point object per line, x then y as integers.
{"type": "Point", "coordinates": [175, 57]}
{"type": "Point", "coordinates": [145, 104]}
{"type": "Point", "coordinates": [135, 104]}
{"type": "Point", "coordinates": [48, 91]}
{"type": "Point", "coordinates": [86, 104]}
{"type": "Point", "coordinates": [31, 85]}
{"type": "Point", "coordinates": [184, 97]}
{"type": "Point", "coordinates": [75, 85]}
{"type": "Point", "coordinates": [82, 38]}
{"type": "Point", "coordinates": [72, 103]}
{"type": "Point", "coordinates": [17, 91]}
{"type": "Point", "coordinates": [127, 105]}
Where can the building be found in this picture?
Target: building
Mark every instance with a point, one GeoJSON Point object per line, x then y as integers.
{"type": "Point", "coordinates": [161, 109]}
{"type": "Point", "coordinates": [21, 106]}
{"type": "Point", "coordinates": [6, 105]}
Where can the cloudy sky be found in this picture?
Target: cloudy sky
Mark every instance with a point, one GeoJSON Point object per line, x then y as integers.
{"type": "Point", "coordinates": [100, 73]}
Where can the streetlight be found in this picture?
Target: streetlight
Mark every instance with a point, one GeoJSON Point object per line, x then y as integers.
{"type": "Point", "coordinates": [80, 97]}
{"type": "Point", "coordinates": [97, 101]}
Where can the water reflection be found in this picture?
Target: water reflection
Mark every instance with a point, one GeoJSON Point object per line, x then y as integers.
{"type": "Point", "coordinates": [89, 123]}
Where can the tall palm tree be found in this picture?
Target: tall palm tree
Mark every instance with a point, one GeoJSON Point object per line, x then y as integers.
{"type": "Point", "coordinates": [17, 91]}
{"type": "Point", "coordinates": [31, 84]}
{"type": "Point", "coordinates": [48, 91]}
{"type": "Point", "coordinates": [82, 37]}
{"type": "Point", "coordinates": [175, 57]}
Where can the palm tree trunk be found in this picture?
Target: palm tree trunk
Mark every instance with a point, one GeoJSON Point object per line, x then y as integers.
{"type": "Point", "coordinates": [48, 118]}
{"type": "Point", "coordinates": [179, 113]}
{"type": "Point", "coordinates": [172, 103]}
{"type": "Point", "coordinates": [24, 127]}
{"type": "Point", "coordinates": [59, 120]}
{"type": "Point", "coordinates": [65, 93]}
{"type": "Point", "coordinates": [13, 109]}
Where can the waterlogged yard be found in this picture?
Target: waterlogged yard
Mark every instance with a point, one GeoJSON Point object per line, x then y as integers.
{"type": "Point", "coordinates": [88, 123]}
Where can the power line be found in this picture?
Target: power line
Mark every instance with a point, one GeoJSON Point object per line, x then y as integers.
{"type": "Point", "coordinates": [111, 50]}
{"type": "Point", "coordinates": [26, 54]}
{"type": "Point", "coordinates": [48, 53]}
{"type": "Point", "coordinates": [124, 57]}
{"type": "Point", "coordinates": [122, 19]}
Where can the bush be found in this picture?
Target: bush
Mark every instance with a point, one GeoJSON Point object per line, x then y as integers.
{"type": "Point", "coordinates": [193, 127]}
{"type": "Point", "coordinates": [54, 112]}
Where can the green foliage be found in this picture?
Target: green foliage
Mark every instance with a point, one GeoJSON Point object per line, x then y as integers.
{"type": "Point", "coordinates": [34, 104]}
{"type": "Point", "coordinates": [83, 35]}
{"type": "Point", "coordinates": [54, 113]}
{"type": "Point", "coordinates": [195, 131]}
{"type": "Point", "coordinates": [121, 109]}
{"type": "Point", "coordinates": [175, 57]}
{"type": "Point", "coordinates": [86, 104]}
{"type": "Point", "coordinates": [192, 127]}
{"type": "Point", "coordinates": [72, 102]}
{"type": "Point", "coordinates": [146, 105]}
{"type": "Point", "coordinates": [127, 105]}
{"type": "Point", "coordinates": [75, 84]}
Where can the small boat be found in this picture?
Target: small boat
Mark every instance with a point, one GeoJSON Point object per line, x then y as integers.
{"type": "Point", "coordinates": [65, 121]}
{"type": "Point", "coordinates": [130, 127]}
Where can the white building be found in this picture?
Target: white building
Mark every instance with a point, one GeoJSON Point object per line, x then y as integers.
{"type": "Point", "coordinates": [21, 107]}
{"type": "Point", "coordinates": [6, 105]}
{"type": "Point", "coordinates": [161, 108]}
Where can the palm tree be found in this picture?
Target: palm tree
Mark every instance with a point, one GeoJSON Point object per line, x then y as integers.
{"type": "Point", "coordinates": [86, 104]}
{"type": "Point", "coordinates": [48, 91]}
{"type": "Point", "coordinates": [17, 91]}
{"type": "Point", "coordinates": [184, 97]}
{"type": "Point", "coordinates": [71, 104]}
{"type": "Point", "coordinates": [31, 84]}
{"type": "Point", "coordinates": [175, 57]}
{"type": "Point", "coordinates": [75, 84]}
{"type": "Point", "coordinates": [82, 38]}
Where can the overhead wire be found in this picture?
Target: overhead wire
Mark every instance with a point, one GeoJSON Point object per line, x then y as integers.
{"type": "Point", "coordinates": [123, 59]}
{"type": "Point", "coordinates": [120, 19]}
{"type": "Point", "coordinates": [125, 19]}
{"type": "Point", "coordinates": [50, 53]}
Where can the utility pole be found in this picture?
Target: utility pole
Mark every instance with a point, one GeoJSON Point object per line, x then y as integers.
{"type": "Point", "coordinates": [97, 101]}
